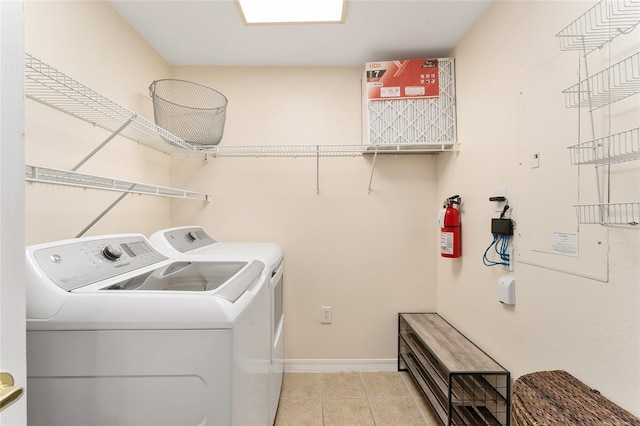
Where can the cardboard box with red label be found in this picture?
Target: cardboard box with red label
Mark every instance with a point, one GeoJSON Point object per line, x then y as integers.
{"type": "Point", "coordinates": [405, 79]}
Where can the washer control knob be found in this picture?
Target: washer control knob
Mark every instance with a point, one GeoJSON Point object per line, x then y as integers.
{"type": "Point", "coordinates": [191, 236]}
{"type": "Point", "coordinates": [112, 252]}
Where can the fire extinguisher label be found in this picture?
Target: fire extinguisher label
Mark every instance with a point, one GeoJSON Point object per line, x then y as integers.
{"type": "Point", "coordinates": [446, 242]}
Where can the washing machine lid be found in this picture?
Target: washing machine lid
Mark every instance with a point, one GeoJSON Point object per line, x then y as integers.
{"type": "Point", "coordinates": [121, 282]}
{"type": "Point", "coordinates": [228, 279]}
{"type": "Point", "coordinates": [194, 242]}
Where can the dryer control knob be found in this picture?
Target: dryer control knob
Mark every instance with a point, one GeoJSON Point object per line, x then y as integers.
{"type": "Point", "coordinates": [112, 252]}
{"type": "Point", "coordinates": [191, 236]}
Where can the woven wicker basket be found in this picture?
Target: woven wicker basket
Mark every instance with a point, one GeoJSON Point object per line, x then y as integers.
{"type": "Point", "coordinates": [557, 398]}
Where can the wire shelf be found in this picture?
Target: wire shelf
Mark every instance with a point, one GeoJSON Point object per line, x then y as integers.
{"type": "Point", "coordinates": [326, 150]}
{"type": "Point", "coordinates": [609, 213]}
{"type": "Point", "coordinates": [616, 148]}
{"type": "Point", "coordinates": [617, 82]}
{"type": "Point", "coordinates": [600, 24]}
{"type": "Point", "coordinates": [68, 178]}
{"type": "Point", "coordinates": [51, 87]}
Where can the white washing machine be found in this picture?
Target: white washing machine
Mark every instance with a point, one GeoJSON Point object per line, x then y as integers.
{"type": "Point", "coordinates": [194, 243]}
{"type": "Point", "coordinates": [118, 334]}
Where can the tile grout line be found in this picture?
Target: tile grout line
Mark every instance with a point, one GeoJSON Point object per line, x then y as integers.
{"type": "Point", "coordinates": [366, 394]}
{"type": "Point", "coordinates": [322, 398]}
{"type": "Point", "coordinates": [414, 396]}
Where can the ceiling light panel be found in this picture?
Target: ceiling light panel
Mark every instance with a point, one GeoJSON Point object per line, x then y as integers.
{"type": "Point", "coordinates": [291, 11]}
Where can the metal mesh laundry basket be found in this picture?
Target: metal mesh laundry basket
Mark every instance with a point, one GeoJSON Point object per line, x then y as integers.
{"type": "Point", "coordinates": [192, 111]}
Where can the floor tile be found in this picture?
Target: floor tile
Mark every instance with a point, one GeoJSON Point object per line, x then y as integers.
{"type": "Point", "coordinates": [385, 384]}
{"type": "Point", "coordinates": [396, 412]}
{"type": "Point", "coordinates": [427, 412]}
{"type": "Point", "coordinates": [300, 385]}
{"type": "Point", "coordinates": [342, 385]}
{"type": "Point", "coordinates": [421, 401]}
{"type": "Point", "coordinates": [411, 384]}
{"type": "Point", "coordinates": [347, 412]}
{"type": "Point", "coordinates": [299, 412]}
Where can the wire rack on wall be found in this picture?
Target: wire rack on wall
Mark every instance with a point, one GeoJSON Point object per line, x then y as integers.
{"type": "Point", "coordinates": [69, 178]}
{"type": "Point", "coordinates": [53, 88]}
{"type": "Point", "coordinates": [616, 148]}
{"type": "Point", "coordinates": [609, 213]}
{"type": "Point", "coordinates": [615, 83]}
{"type": "Point", "coordinates": [600, 24]}
{"type": "Point", "coordinates": [592, 30]}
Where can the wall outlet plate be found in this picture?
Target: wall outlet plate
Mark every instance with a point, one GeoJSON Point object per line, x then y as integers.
{"type": "Point", "coordinates": [325, 315]}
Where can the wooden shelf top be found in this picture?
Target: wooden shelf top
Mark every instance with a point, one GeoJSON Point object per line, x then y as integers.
{"type": "Point", "coordinates": [456, 353]}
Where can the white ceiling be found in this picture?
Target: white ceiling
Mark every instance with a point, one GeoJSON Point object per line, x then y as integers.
{"type": "Point", "coordinates": [210, 32]}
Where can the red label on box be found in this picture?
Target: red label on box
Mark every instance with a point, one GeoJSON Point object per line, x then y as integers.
{"type": "Point", "coordinates": [411, 78]}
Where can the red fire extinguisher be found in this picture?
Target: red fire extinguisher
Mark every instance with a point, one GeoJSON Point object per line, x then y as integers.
{"type": "Point", "coordinates": [450, 239]}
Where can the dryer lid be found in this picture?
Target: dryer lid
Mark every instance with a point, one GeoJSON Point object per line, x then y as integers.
{"type": "Point", "coordinates": [229, 279]}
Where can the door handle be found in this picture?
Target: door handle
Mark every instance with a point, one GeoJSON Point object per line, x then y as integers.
{"type": "Point", "coordinates": [8, 392]}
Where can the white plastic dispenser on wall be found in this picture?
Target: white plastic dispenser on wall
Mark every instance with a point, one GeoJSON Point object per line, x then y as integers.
{"type": "Point", "coordinates": [507, 290]}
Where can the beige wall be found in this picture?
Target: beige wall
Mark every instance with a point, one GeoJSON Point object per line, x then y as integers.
{"type": "Point", "coordinates": [367, 256]}
{"type": "Point", "coordinates": [510, 75]}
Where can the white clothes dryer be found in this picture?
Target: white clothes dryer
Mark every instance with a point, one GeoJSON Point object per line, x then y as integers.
{"type": "Point", "coordinates": [118, 334]}
{"type": "Point", "coordinates": [194, 243]}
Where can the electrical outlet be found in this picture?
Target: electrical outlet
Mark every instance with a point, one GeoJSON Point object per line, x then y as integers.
{"type": "Point", "coordinates": [325, 315]}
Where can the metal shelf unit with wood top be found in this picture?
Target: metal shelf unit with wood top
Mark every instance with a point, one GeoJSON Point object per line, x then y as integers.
{"type": "Point", "coordinates": [462, 383]}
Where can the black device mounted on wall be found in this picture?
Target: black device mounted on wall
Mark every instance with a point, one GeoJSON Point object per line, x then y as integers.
{"type": "Point", "coordinates": [501, 225]}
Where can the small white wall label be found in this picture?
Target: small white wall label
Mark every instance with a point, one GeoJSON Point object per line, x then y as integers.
{"type": "Point", "coordinates": [564, 243]}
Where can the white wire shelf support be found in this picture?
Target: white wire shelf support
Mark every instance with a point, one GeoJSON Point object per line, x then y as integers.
{"type": "Point", "coordinates": [318, 151]}
{"type": "Point", "coordinates": [600, 25]}
{"type": "Point", "coordinates": [69, 178]}
{"type": "Point", "coordinates": [326, 150]}
{"type": "Point", "coordinates": [617, 148]}
{"type": "Point", "coordinates": [609, 213]}
{"type": "Point", "coordinates": [53, 88]}
{"type": "Point", "coordinates": [613, 84]}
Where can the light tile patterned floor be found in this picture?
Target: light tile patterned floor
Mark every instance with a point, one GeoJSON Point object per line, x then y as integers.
{"type": "Point", "coordinates": [352, 399]}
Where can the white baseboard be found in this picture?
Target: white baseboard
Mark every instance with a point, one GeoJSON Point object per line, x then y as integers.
{"type": "Point", "coordinates": [339, 365]}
